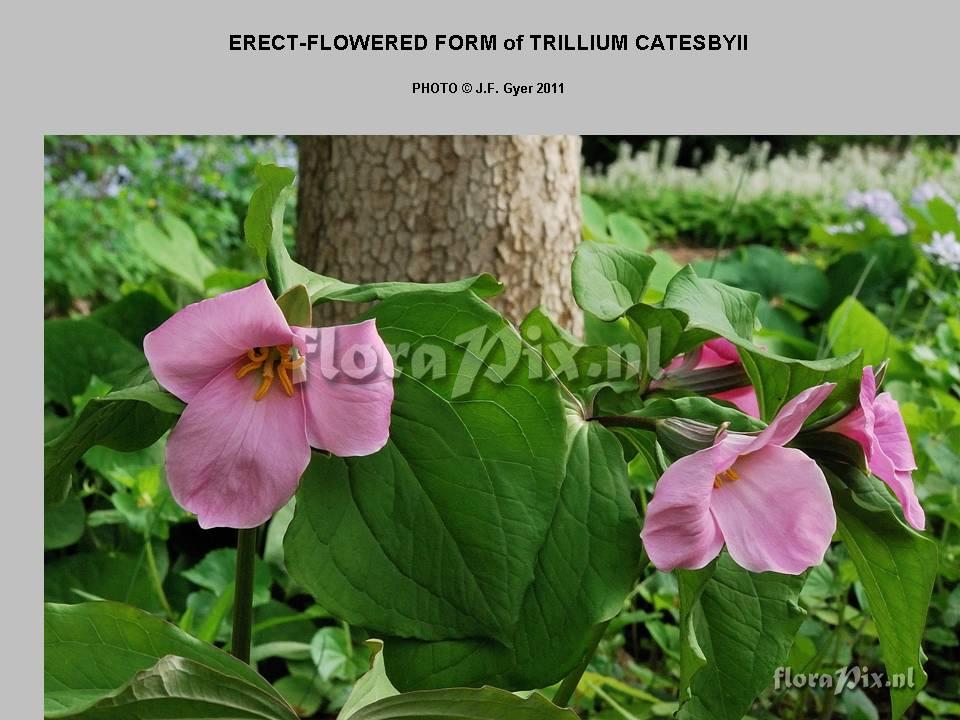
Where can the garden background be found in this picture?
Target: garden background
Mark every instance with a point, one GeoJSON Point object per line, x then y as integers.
{"type": "Point", "coordinates": [851, 242]}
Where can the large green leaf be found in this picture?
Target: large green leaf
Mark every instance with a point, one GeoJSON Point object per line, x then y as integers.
{"type": "Point", "coordinates": [743, 624]}
{"type": "Point", "coordinates": [458, 515]}
{"type": "Point", "coordinates": [586, 566]}
{"type": "Point", "coordinates": [486, 703]}
{"type": "Point", "coordinates": [897, 566]}
{"type": "Point", "coordinates": [608, 280]}
{"type": "Point", "coordinates": [177, 688]}
{"type": "Point", "coordinates": [449, 516]}
{"type": "Point", "coordinates": [173, 246]}
{"type": "Point", "coordinates": [94, 649]}
{"type": "Point", "coordinates": [127, 419]}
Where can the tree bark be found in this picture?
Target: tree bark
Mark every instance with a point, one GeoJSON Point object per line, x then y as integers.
{"type": "Point", "coordinates": [436, 208]}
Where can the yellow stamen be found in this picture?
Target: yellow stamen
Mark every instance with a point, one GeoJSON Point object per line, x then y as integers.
{"type": "Point", "coordinates": [728, 475]}
{"type": "Point", "coordinates": [284, 378]}
{"type": "Point", "coordinates": [267, 380]}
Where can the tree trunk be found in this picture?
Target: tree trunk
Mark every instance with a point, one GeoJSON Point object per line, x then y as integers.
{"type": "Point", "coordinates": [431, 208]}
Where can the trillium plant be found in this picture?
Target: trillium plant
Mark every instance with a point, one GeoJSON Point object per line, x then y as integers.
{"type": "Point", "coordinates": [481, 501]}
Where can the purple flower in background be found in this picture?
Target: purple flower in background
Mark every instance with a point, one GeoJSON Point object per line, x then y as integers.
{"type": "Point", "coordinates": [882, 205]}
{"type": "Point", "coordinates": [944, 249]}
{"type": "Point", "coordinates": [927, 192]}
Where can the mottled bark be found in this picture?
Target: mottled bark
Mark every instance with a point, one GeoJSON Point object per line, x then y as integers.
{"type": "Point", "coordinates": [430, 208]}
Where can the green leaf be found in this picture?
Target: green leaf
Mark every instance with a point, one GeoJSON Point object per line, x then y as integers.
{"type": "Point", "coordinates": [174, 248]}
{"type": "Point", "coordinates": [105, 575]}
{"type": "Point", "coordinates": [180, 688]}
{"type": "Point", "coordinates": [263, 225]}
{"type": "Point", "coordinates": [372, 686]}
{"type": "Point", "coordinates": [333, 655]}
{"type": "Point", "coordinates": [470, 477]}
{"type": "Point", "coordinates": [744, 624]}
{"type": "Point", "coordinates": [712, 306]}
{"type": "Point", "coordinates": [263, 228]}
{"type": "Point", "coordinates": [324, 289]}
{"type": "Point", "coordinates": [296, 307]}
{"type": "Point", "coordinates": [94, 649]}
{"type": "Point", "coordinates": [609, 280]}
{"type": "Point", "coordinates": [777, 379]}
{"type": "Point", "coordinates": [628, 232]}
{"type": "Point", "coordinates": [302, 692]}
{"type": "Point", "coordinates": [468, 519]}
{"type": "Point", "coordinates": [584, 369]}
{"type": "Point", "coordinates": [585, 568]}
{"type": "Point", "coordinates": [594, 220]}
{"type": "Point", "coordinates": [217, 570]}
{"type": "Point", "coordinates": [772, 274]}
{"type": "Point", "coordinates": [897, 567]}
{"type": "Point", "coordinates": [64, 524]}
{"type": "Point", "coordinates": [852, 327]}
{"type": "Point", "coordinates": [699, 408]}
{"type": "Point", "coordinates": [133, 315]}
{"type": "Point", "coordinates": [76, 350]}
{"type": "Point", "coordinates": [485, 703]}
{"type": "Point", "coordinates": [227, 279]}
{"type": "Point", "coordinates": [125, 420]}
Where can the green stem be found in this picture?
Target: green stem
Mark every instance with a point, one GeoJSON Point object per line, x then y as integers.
{"type": "Point", "coordinates": [570, 682]}
{"type": "Point", "coordinates": [243, 597]}
{"type": "Point", "coordinates": [155, 577]}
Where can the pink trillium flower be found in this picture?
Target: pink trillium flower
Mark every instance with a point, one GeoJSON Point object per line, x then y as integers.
{"type": "Point", "coordinates": [877, 426]}
{"type": "Point", "coordinates": [259, 394]}
{"type": "Point", "coordinates": [715, 353]}
{"type": "Point", "coordinates": [770, 504]}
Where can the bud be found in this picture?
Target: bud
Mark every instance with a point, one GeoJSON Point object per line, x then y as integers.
{"type": "Point", "coordinates": [679, 436]}
{"type": "Point", "coordinates": [706, 381]}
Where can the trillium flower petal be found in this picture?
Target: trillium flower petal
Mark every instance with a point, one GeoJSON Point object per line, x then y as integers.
{"type": "Point", "coordinates": [349, 388]}
{"type": "Point", "coordinates": [877, 426]}
{"type": "Point", "coordinates": [679, 530]}
{"type": "Point", "coordinates": [744, 398]}
{"type": "Point", "coordinates": [891, 432]}
{"type": "Point", "coordinates": [235, 461]}
{"type": "Point", "coordinates": [891, 458]}
{"type": "Point", "coordinates": [778, 515]}
{"type": "Point", "coordinates": [717, 353]}
{"type": "Point", "coordinates": [785, 426]}
{"type": "Point", "coordinates": [191, 348]}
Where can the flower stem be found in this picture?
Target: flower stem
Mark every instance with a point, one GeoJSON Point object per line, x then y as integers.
{"type": "Point", "coordinates": [155, 577]}
{"type": "Point", "coordinates": [570, 682]}
{"type": "Point", "coordinates": [243, 597]}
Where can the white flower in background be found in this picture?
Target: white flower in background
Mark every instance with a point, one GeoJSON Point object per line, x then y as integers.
{"type": "Point", "coordinates": [811, 174]}
{"type": "Point", "coordinates": [927, 192]}
{"type": "Point", "coordinates": [882, 205]}
{"type": "Point", "coordinates": [850, 228]}
{"type": "Point", "coordinates": [944, 250]}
